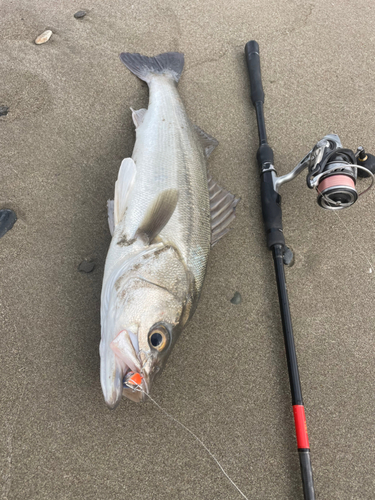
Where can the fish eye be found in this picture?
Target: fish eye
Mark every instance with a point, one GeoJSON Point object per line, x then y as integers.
{"type": "Point", "coordinates": [158, 338]}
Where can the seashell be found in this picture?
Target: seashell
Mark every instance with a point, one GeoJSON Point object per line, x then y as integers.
{"type": "Point", "coordinates": [44, 37]}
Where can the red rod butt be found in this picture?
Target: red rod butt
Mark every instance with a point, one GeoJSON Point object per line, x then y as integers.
{"type": "Point", "coordinates": [301, 427]}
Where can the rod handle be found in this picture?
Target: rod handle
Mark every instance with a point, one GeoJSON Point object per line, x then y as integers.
{"type": "Point", "coordinates": [306, 472]}
{"type": "Point", "coordinates": [253, 66]}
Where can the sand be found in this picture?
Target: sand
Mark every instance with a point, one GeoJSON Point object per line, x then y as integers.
{"type": "Point", "coordinates": [67, 130]}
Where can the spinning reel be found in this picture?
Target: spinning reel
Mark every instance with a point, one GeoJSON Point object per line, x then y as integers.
{"type": "Point", "coordinates": [333, 172]}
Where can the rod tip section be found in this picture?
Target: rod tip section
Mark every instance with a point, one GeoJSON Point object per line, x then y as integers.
{"type": "Point", "coordinates": [251, 47]}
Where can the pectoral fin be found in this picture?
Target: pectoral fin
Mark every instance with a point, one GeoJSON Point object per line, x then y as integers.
{"type": "Point", "coordinates": [158, 215]}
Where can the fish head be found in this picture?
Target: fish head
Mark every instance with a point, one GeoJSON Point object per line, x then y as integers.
{"type": "Point", "coordinates": [139, 328]}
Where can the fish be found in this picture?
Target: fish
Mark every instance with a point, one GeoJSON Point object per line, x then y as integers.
{"type": "Point", "coordinates": [166, 214]}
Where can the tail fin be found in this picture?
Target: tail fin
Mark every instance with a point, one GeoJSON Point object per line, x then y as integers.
{"type": "Point", "coordinates": [170, 63]}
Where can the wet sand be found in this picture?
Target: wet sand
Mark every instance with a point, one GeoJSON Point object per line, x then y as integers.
{"type": "Point", "coordinates": [68, 128]}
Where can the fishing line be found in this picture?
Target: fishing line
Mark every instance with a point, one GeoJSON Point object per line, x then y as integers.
{"type": "Point", "coordinates": [355, 241]}
{"type": "Point", "coordinates": [348, 230]}
{"type": "Point", "coordinates": [199, 441]}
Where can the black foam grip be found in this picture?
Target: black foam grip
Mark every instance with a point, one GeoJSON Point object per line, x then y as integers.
{"type": "Point", "coordinates": [271, 210]}
{"type": "Point", "coordinates": [253, 65]}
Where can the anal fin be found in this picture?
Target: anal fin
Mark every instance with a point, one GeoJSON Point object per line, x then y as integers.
{"type": "Point", "coordinates": [223, 207]}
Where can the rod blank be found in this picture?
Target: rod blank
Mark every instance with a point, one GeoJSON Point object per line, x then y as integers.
{"type": "Point", "coordinates": [272, 217]}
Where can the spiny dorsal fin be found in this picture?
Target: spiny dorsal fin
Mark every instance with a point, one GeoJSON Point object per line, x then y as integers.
{"type": "Point", "coordinates": [138, 116]}
{"type": "Point", "coordinates": [124, 183]}
{"type": "Point", "coordinates": [207, 141]}
{"type": "Point", "coordinates": [223, 206]}
{"type": "Point", "coordinates": [158, 215]}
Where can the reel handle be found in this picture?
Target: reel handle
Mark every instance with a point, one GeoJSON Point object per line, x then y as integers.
{"type": "Point", "coordinates": [253, 66]}
{"type": "Point", "coordinates": [365, 160]}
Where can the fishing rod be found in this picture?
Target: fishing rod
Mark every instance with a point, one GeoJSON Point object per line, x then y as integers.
{"type": "Point", "coordinates": [332, 171]}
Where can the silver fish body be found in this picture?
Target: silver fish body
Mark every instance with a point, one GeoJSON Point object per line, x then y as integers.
{"type": "Point", "coordinates": [162, 235]}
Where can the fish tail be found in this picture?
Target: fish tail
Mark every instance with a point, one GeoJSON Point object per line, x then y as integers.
{"type": "Point", "coordinates": [169, 63]}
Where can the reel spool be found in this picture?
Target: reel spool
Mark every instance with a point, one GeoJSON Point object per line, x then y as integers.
{"type": "Point", "coordinates": [337, 191]}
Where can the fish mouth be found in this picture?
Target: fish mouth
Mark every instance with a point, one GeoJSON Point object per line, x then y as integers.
{"type": "Point", "coordinates": [125, 367]}
{"type": "Point", "coordinates": [135, 386]}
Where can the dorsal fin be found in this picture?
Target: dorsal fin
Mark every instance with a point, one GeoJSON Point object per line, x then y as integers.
{"type": "Point", "coordinates": [223, 206]}
{"type": "Point", "coordinates": [207, 141]}
{"type": "Point", "coordinates": [124, 183]}
{"type": "Point", "coordinates": [158, 214]}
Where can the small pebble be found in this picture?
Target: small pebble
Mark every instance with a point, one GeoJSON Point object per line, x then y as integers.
{"type": "Point", "coordinates": [236, 299]}
{"type": "Point", "coordinates": [44, 37]}
{"type": "Point", "coordinates": [86, 266]}
{"type": "Point", "coordinates": [4, 110]}
{"type": "Point", "coordinates": [7, 220]}
{"type": "Point", "coordinates": [80, 14]}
